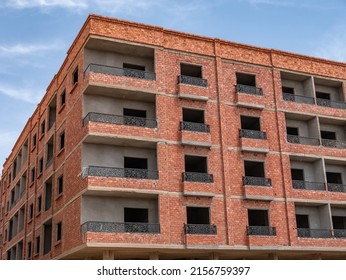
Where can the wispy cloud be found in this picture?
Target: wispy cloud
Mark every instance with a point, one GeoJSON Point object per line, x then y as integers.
{"type": "Point", "coordinates": [25, 93]}
{"type": "Point", "coordinates": [24, 4]}
{"type": "Point", "coordinates": [28, 49]}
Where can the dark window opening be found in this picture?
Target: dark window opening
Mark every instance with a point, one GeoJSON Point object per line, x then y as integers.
{"type": "Point", "coordinates": [33, 174]}
{"type": "Point", "coordinates": [135, 163]}
{"type": "Point", "coordinates": [258, 217]}
{"type": "Point", "coordinates": [297, 174]}
{"type": "Point", "coordinates": [39, 204]}
{"type": "Point", "coordinates": [193, 115]}
{"type": "Point", "coordinates": [75, 77]}
{"type": "Point", "coordinates": [29, 250]}
{"type": "Point", "coordinates": [37, 244]}
{"type": "Point", "coordinates": [289, 90]}
{"type": "Point", "coordinates": [133, 66]}
{"type": "Point", "coordinates": [134, 113]}
{"type": "Point", "coordinates": [31, 211]}
{"type": "Point", "coordinates": [43, 127]}
{"type": "Point", "coordinates": [198, 215]}
{"type": "Point", "coordinates": [63, 98]}
{"type": "Point", "coordinates": [62, 141]}
{"type": "Point", "coordinates": [52, 113]}
{"type": "Point", "coordinates": [40, 165]}
{"type": "Point", "coordinates": [302, 221]}
{"type": "Point", "coordinates": [47, 237]}
{"type": "Point", "coordinates": [254, 169]}
{"type": "Point", "coordinates": [58, 231]}
{"type": "Point", "coordinates": [334, 178]}
{"type": "Point", "coordinates": [20, 251]}
{"type": "Point", "coordinates": [328, 135]}
{"type": "Point", "coordinates": [60, 184]}
{"type": "Point", "coordinates": [292, 131]}
{"type": "Point", "coordinates": [50, 152]}
{"type": "Point", "coordinates": [48, 196]}
{"type": "Point", "coordinates": [34, 140]}
{"type": "Point", "coordinates": [322, 95]}
{"type": "Point", "coordinates": [136, 215]}
{"type": "Point", "coordinates": [246, 79]}
{"type": "Point", "coordinates": [339, 222]}
{"type": "Point", "coordinates": [196, 164]}
{"type": "Point", "coordinates": [191, 70]}
{"type": "Point", "coordinates": [250, 123]}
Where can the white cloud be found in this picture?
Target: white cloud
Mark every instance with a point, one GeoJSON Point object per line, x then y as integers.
{"type": "Point", "coordinates": [27, 49]}
{"type": "Point", "coordinates": [24, 93]}
{"type": "Point", "coordinates": [23, 4]}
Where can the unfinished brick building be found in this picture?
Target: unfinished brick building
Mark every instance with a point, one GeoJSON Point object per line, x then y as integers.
{"type": "Point", "coordinates": [156, 144]}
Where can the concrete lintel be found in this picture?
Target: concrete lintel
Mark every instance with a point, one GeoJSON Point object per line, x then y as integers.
{"type": "Point", "coordinates": [196, 143]}
{"type": "Point", "coordinates": [255, 150]}
{"type": "Point", "coordinates": [259, 197]}
{"type": "Point", "coordinates": [250, 105]}
{"type": "Point", "coordinates": [193, 97]}
{"type": "Point", "coordinates": [204, 194]}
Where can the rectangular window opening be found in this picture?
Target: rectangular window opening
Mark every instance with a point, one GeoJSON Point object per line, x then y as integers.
{"type": "Point", "coordinates": [193, 115]}
{"type": "Point", "coordinates": [250, 123]}
{"type": "Point", "coordinates": [198, 215]}
{"type": "Point", "coordinates": [191, 70]}
{"type": "Point", "coordinates": [254, 169]}
{"type": "Point", "coordinates": [246, 79]}
{"type": "Point", "coordinates": [196, 164]}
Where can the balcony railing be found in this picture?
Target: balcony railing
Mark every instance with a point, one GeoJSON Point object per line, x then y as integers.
{"type": "Point", "coordinates": [261, 230]}
{"type": "Point", "coordinates": [298, 98]}
{"type": "Point", "coordinates": [197, 177]}
{"type": "Point", "coordinates": [112, 227]}
{"type": "Point", "coordinates": [200, 229]}
{"type": "Point", "coordinates": [193, 126]}
{"type": "Point", "coordinates": [120, 120]}
{"type": "Point", "coordinates": [256, 181]}
{"type": "Point", "coordinates": [303, 140]}
{"type": "Point", "coordinates": [249, 89]}
{"type": "Point", "coordinates": [332, 187]}
{"type": "Point", "coordinates": [116, 71]}
{"type": "Point", "coordinates": [99, 171]}
{"type": "Point", "coordinates": [314, 233]}
{"type": "Point", "coordinates": [334, 143]}
{"type": "Point", "coordinates": [340, 233]}
{"type": "Point", "coordinates": [304, 185]}
{"type": "Point", "coordinates": [330, 103]}
{"type": "Point", "coordinates": [194, 81]}
{"type": "Point", "coordinates": [253, 134]}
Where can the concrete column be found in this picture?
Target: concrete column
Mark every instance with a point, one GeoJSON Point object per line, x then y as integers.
{"type": "Point", "coordinates": [316, 257]}
{"type": "Point", "coordinates": [108, 255]}
{"type": "Point", "coordinates": [273, 256]}
{"type": "Point", "coordinates": [213, 256]}
{"type": "Point", "coordinates": [154, 256]}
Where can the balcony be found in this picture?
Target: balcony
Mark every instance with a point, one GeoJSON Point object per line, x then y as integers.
{"type": "Point", "coordinates": [113, 227]}
{"type": "Point", "coordinates": [118, 71]}
{"type": "Point", "coordinates": [194, 126]}
{"type": "Point", "coordinates": [331, 143]}
{"type": "Point", "coordinates": [329, 103]}
{"type": "Point", "coordinates": [119, 120]}
{"type": "Point", "coordinates": [256, 181]}
{"type": "Point", "coordinates": [193, 81]}
{"type": "Point", "coordinates": [99, 171]}
{"type": "Point", "coordinates": [197, 177]}
{"type": "Point", "coordinates": [295, 139]}
{"type": "Point", "coordinates": [261, 230]}
{"type": "Point", "coordinates": [332, 187]}
{"type": "Point", "coordinates": [304, 185]}
{"type": "Point", "coordinates": [314, 233]}
{"type": "Point", "coordinates": [249, 89]}
{"type": "Point", "coordinates": [200, 229]}
{"type": "Point", "coordinates": [252, 134]}
{"type": "Point", "coordinates": [298, 98]}
{"type": "Point", "coordinates": [340, 233]}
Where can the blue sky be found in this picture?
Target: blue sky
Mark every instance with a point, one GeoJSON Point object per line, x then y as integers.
{"type": "Point", "coordinates": [35, 35]}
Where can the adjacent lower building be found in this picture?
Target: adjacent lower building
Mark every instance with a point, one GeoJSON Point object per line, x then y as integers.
{"type": "Point", "coordinates": [156, 144]}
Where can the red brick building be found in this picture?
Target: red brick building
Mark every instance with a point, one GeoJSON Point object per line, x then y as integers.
{"type": "Point", "coordinates": [152, 143]}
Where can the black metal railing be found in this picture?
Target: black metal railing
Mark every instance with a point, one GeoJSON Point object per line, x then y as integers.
{"type": "Point", "coordinates": [261, 230]}
{"type": "Point", "coordinates": [200, 229]}
{"type": "Point", "coordinates": [197, 177]}
{"type": "Point", "coordinates": [193, 126]}
{"type": "Point", "coordinates": [117, 71]}
{"type": "Point", "coordinates": [121, 120]}
{"type": "Point", "coordinates": [253, 134]}
{"type": "Point", "coordinates": [100, 171]}
{"type": "Point", "coordinates": [332, 187]}
{"type": "Point", "coordinates": [194, 81]}
{"type": "Point", "coordinates": [330, 103]}
{"type": "Point", "coordinates": [249, 89]}
{"type": "Point", "coordinates": [314, 233]}
{"type": "Point", "coordinates": [339, 233]}
{"type": "Point", "coordinates": [333, 143]}
{"type": "Point", "coordinates": [303, 140]}
{"type": "Point", "coordinates": [305, 185]}
{"type": "Point", "coordinates": [298, 98]}
{"type": "Point", "coordinates": [256, 181]}
{"type": "Point", "coordinates": [114, 227]}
